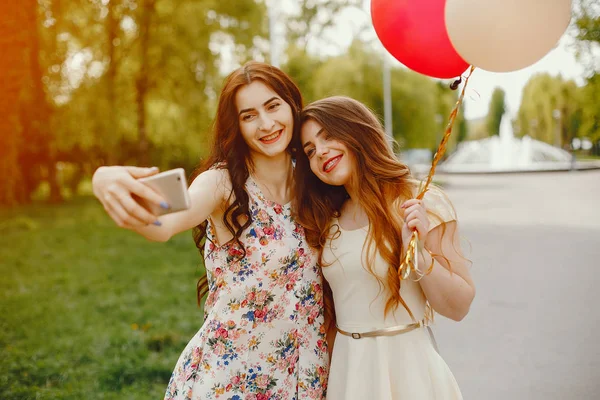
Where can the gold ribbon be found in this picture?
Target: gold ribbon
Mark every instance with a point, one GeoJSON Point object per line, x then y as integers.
{"type": "Point", "coordinates": [410, 264]}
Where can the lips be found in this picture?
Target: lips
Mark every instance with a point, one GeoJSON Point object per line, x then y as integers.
{"type": "Point", "coordinates": [330, 164]}
{"type": "Point", "coordinates": [272, 138]}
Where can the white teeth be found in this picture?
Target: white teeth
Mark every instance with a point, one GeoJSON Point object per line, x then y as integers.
{"type": "Point", "coordinates": [271, 137]}
{"type": "Point", "coordinates": [330, 164]}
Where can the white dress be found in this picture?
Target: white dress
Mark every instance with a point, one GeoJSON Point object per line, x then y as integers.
{"type": "Point", "coordinates": [400, 367]}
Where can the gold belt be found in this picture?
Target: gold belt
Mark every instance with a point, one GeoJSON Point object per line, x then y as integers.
{"type": "Point", "coordinates": [391, 331]}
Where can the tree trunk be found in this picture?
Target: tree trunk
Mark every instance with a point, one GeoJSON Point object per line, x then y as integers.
{"type": "Point", "coordinates": [142, 82]}
{"type": "Point", "coordinates": [41, 100]}
{"type": "Point", "coordinates": [13, 74]}
{"type": "Point", "coordinates": [38, 153]}
{"type": "Point", "coordinates": [111, 76]}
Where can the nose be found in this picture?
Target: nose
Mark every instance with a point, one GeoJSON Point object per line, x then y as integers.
{"type": "Point", "coordinates": [266, 123]}
{"type": "Point", "coordinates": [322, 150]}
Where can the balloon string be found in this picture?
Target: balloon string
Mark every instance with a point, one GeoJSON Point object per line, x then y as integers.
{"type": "Point", "coordinates": [410, 262]}
{"type": "Point", "coordinates": [442, 147]}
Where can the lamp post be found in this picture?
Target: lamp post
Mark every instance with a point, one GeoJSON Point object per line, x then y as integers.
{"type": "Point", "coordinates": [557, 139]}
{"type": "Point", "coordinates": [273, 14]}
{"type": "Point", "coordinates": [387, 96]}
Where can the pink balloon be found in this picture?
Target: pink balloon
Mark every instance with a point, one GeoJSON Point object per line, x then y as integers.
{"type": "Point", "coordinates": [414, 32]}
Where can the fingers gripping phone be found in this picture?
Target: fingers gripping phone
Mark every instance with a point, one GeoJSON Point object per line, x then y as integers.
{"type": "Point", "coordinates": [172, 186]}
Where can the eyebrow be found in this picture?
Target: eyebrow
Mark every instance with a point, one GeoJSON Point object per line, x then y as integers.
{"type": "Point", "coordinates": [264, 104]}
{"type": "Point", "coordinates": [317, 135]}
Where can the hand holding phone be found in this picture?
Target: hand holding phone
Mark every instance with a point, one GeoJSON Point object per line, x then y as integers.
{"type": "Point", "coordinates": [172, 186]}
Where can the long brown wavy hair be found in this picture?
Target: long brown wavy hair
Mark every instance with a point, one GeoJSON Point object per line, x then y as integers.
{"type": "Point", "coordinates": [385, 182]}
{"type": "Point", "coordinates": [229, 150]}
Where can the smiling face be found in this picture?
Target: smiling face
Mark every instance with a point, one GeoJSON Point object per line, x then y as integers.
{"type": "Point", "coordinates": [329, 159]}
{"type": "Point", "coordinates": [266, 121]}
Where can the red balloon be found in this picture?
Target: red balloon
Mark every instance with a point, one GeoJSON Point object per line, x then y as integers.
{"type": "Point", "coordinates": [414, 32]}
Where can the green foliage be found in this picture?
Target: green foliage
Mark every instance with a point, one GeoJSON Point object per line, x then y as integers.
{"type": "Point", "coordinates": [182, 76]}
{"type": "Point", "coordinates": [122, 81]}
{"type": "Point", "coordinates": [313, 17]}
{"type": "Point", "coordinates": [301, 66]}
{"type": "Point", "coordinates": [587, 22]}
{"type": "Point", "coordinates": [496, 111]}
{"type": "Point", "coordinates": [420, 105]}
{"type": "Point", "coordinates": [549, 109]}
{"type": "Point", "coordinates": [589, 28]}
{"type": "Point", "coordinates": [590, 104]}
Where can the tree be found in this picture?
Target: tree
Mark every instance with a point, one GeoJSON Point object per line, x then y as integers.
{"type": "Point", "coordinates": [110, 78]}
{"type": "Point", "coordinates": [462, 126]}
{"type": "Point", "coordinates": [587, 25]}
{"type": "Point", "coordinates": [416, 99]}
{"type": "Point", "coordinates": [590, 102]}
{"type": "Point", "coordinates": [38, 152]}
{"type": "Point", "coordinates": [495, 112]}
{"type": "Point", "coordinates": [587, 22]}
{"type": "Point", "coordinates": [313, 17]}
{"type": "Point", "coordinates": [150, 78]}
{"type": "Point", "coordinates": [301, 67]}
{"type": "Point", "coordinates": [549, 109]}
{"type": "Point", "coordinates": [13, 75]}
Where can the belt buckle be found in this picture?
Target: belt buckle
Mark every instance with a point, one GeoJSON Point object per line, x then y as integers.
{"type": "Point", "coordinates": [356, 335]}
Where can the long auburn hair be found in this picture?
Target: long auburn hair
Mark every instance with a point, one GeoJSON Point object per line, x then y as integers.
{"type": "Point", "coordinates": [384, 183]}
{"type": "Point", "coordinates": [229, 150]}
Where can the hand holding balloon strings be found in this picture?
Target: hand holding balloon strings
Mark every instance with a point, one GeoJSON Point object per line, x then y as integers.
{"type": "Point", "coordinates": [410, 264]}
{"type": "Point", "coordinates": [440, 38]}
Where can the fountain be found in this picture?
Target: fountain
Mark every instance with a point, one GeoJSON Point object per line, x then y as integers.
{"type": "Point", "coordinates": [505, 153]}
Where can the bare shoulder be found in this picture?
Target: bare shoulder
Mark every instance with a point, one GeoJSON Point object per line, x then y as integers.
{"type": "Point", "coordinates": [215, 181]}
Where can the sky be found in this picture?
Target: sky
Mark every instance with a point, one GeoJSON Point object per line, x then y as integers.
{"type": "Point", "coordinates": [561, 60]}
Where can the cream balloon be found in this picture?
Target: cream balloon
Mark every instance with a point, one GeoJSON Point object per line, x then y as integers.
{"type": "Point", "coordinates": [505, 35]}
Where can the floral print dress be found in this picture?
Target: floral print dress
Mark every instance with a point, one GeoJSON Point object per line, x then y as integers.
{"type": "Point", "coordinates": [263, 335]}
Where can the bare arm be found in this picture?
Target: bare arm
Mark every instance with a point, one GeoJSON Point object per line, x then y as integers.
{"type": "Point", "coordinates": [449, 288]}
{"type": "Point", "coordinates": [115, 187]}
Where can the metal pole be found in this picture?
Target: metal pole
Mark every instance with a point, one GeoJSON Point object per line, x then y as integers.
{"type": "Point", "coordinates": [387, 97]}
{"type": "Point", "coordinates": [272, 34]}
{"type": "Point", "coordinates": [557, 138]}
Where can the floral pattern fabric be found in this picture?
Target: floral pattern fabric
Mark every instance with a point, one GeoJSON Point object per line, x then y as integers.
{"type": "Point", "coordinates": [263, 335]}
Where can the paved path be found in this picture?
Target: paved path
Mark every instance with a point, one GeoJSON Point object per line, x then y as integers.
{"type": "Point", "coordinates": [534, 329]}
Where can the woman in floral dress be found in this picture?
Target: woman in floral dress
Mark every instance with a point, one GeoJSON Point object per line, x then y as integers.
{"type": "Point", "coordinates": [263, 335]}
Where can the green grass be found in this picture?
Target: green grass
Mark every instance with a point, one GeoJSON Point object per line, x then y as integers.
{"type": "Point", "coordinates": [587, 157]}
{"type": "Point", "coordinates": [88, 310]}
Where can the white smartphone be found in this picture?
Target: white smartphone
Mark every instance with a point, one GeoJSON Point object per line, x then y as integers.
{"type": "Point", "coordinates": [172, 186]}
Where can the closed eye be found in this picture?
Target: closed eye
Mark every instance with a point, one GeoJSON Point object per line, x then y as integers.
{"type": "Point", "coordinates": [273, 106]}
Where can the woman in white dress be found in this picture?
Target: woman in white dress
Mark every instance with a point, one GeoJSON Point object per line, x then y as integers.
{"type": "Point", "coordinates": [356, 202]}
